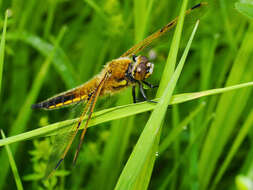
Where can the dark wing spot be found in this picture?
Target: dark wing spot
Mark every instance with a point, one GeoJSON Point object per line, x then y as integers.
{"type": "Point", "coordinates": [170, 24]}
{"type": "Point", "coordinates": [167, 26]}
{"type": "Point", "coordinates": [196, 6]}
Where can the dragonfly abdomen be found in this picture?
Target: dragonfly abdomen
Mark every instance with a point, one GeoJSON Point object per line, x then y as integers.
{"type": "Point", "coordinates": [56, 102]}
{"type": "Point", "coordinates": [72, 96]}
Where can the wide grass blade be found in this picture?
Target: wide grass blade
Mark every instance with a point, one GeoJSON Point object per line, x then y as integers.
{"type": "Point", "coordinates": [116, 113]}
{"type": "Point", "coordinates": [133, 175]}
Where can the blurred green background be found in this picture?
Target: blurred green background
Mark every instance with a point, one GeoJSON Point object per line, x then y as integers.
{"type": "Point", "coordinates": [214, 149]}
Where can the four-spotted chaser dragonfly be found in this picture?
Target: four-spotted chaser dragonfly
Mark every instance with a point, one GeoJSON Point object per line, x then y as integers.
{"type": "Point", "coordinates": [128, 70]}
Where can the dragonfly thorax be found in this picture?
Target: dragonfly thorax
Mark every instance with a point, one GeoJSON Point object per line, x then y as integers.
{"type": "Point", "coordinates": [141, 68]}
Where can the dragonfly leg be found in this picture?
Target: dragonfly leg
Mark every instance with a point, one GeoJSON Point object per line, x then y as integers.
{"type": "Point", "coordinates": [133, 94]}
{"type": "Point", "coordinates": [143, 93]}
{"type": "Point", "coordinates": [149, 84]}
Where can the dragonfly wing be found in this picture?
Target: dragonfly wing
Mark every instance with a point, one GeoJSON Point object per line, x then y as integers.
{"type": "Point", "coordinates": [91, 109]}
{"type": "Point", "coordinates": [61, 145]}
{"type": "Point", "coordinates": [147, 41]}
{"type": "Point", "coordinates": [64, 141]}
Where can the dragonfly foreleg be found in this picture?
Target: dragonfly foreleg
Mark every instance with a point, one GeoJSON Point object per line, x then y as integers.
{"type": "Point", "coordinates": [143, 93]}
{"type": "Point", "coordinates": [149, 84]}
{"type": "Point", "coordinates": [133, 94]}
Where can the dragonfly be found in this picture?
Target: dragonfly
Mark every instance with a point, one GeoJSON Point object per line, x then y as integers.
{"type": "Point", "coordinates": [129, 70]}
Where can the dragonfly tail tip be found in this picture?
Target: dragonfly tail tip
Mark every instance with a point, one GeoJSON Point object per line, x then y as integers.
{"type": "Point", "coordinates": [36, 106]}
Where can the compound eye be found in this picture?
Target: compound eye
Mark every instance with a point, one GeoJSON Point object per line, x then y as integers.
{"type": "Point", "coordinates": [134, 58]}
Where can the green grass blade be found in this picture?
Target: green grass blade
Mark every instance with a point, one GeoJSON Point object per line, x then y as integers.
{"type": "Point", "coordinates": [172, 56]}
{"type": "Point", "coordinates": [19, 124]}
{"type": "Point", "coordinates": [243, 183]}
{"type": "Point", "coordinates": [142, 11]}
{"type": "Point", "coordinates": [177, 130]}
{"type": "Point", "coordinates": [116, 146]}
{"type": "Point", "coordinates": [60, 60]}
{"type": "Point", "coordinates": [230, 106]}
{"type": "Point", "coordinates": [186, 153]}
{"type": "Point", "coordinates": [245, 8]}
{"type": "Point", "coordinates": [98, 10]}
{"type": "Point", "coordinates": [227, 24]}
{"type": "Point", "coordinates": [115, 149]}
{"type": "Point", "coordinates": [234, 148]}
{"type": "Point", "coordinates": [137, 163]}
{"type": "Point", "coordinates": [2, 47]}
{"type": "Point", "coordinates": [50, 18]}
{"type": "Point", "coordinates": [116, 113]}
{"type": "Point", "coordinates": [142, 181]}
{"type": "Point", "coordinates": [13, 165]}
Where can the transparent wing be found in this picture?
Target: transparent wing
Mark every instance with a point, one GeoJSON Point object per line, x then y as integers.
{"type": "Point", "coordinates": [61, 145]}
{"type": "Point", "coordinates": [147, 41]}
{"type": "Point", "coordinates": [91, 109]}
{"type": "Point", "coordinates": [64, 141]}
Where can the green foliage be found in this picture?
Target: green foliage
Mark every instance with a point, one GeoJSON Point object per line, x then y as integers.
{"type": "Point", "coordinates": [198, 136]}
{"type": "Point", "coordinates": [2, 46]}
{"type": "Point", "coordinates": [13, 165]}
{"type": "Point", "coordinates": [245, 7]}
{"type": "Point", "coordinates": [39, 158]}
{"type": "Point", "coordinates": [243, 183]}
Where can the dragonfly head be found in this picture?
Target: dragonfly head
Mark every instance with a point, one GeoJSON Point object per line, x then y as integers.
{"type": "Point", "coordinates": [141, 68]}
